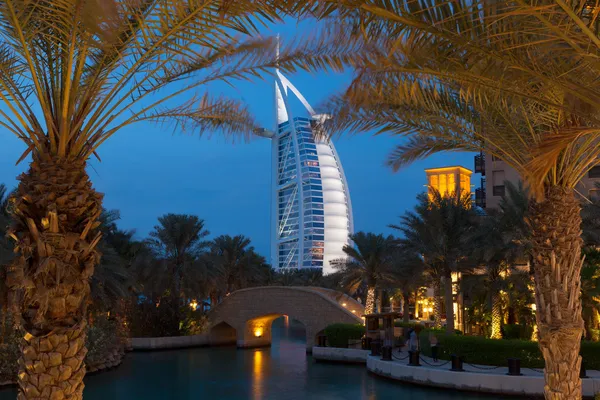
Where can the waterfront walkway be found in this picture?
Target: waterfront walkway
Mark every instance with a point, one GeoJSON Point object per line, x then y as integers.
{"type": "Point", "coordinates": [476, 378]}
{"type": "Point", "coordinates": [473, 378]}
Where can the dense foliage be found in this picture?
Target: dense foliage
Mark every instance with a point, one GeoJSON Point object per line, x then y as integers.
{"type": "Point", "coordinates": [338, 335]}
{"type": "Point", "coordinates": [517, 331]}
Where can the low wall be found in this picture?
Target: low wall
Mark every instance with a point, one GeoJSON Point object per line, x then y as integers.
{"type": "Point", "coordinates": [110, 360]}
{"type": "Point", "coordinates": [526, 385]}
{"type": "Point", "coordinates": [340, 355]}
{"type": "Point", "coordinates": [169, 342]}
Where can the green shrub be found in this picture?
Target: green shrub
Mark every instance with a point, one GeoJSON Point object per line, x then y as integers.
{"type": "Point", "coordinates": [425, 346]}
{"type": "Point", "coordinates": [195, 323]}
{"type": "Point", "coordinates": [590, 351]}
{"type": "Point", "coordinates": [517, 331]}
{"type": "Point", "coordinates": [480, 350]}
{"type": "Point", "coordinates": [401, 324]}
{"type": "Point", "coordinates": [339, 334]}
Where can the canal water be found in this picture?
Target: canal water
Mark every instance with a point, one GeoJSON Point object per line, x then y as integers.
{"type": "Point", "coordinates": [281, 372]}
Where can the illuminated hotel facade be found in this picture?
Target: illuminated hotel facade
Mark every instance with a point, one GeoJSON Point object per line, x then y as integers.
{"type": "Point", "coordinates": [311, 211]}
{"type": "Point", "coordinates": [448, 180]}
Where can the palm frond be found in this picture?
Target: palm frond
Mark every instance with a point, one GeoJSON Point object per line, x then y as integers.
{"type": "Point", "coordinates": [517, 80]}
{"type": "Point", "coordinates": [72, 73]}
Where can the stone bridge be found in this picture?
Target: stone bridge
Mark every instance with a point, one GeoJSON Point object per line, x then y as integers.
{"type": "Point", "coordinates": [245, 316]}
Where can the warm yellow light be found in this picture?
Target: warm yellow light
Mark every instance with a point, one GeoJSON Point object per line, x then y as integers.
{"type": "Point", "coordinates": [194, 305]}
{"type": "Point", "coordinates": [354, 311]}
{"type": "Point", "coordinates": [344, 304]}
{"type": "Point", "coordinates": [258, 332]}
{"type": "Point", "coordinates": [533, 307]}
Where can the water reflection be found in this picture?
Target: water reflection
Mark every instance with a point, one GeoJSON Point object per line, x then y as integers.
{"type": "Point", "coordinates": [257, 375]}
{"type": "Point", "coordinates": [282, 372]}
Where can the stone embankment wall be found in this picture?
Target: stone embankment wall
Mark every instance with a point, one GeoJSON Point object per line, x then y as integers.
{"type": "Point", "coordinates": [110, 359]}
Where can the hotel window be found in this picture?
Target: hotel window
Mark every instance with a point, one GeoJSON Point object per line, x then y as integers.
{"type": "Point", "coordinates": [498, 178]}
{"type": "Point", "coordinates": [465, 184]}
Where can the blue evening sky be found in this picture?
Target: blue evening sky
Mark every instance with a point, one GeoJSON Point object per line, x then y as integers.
{"type": "Point", "coordinates": [147, 170]}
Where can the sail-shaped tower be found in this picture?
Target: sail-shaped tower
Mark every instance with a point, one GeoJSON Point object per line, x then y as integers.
{"type": "Point", "coordinates": [311, 212]}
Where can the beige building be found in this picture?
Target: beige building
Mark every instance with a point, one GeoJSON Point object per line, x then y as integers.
{"type": "Point", "coordinates": [447, 180]}
{"type": "Point", "coordinates": [496, 172]}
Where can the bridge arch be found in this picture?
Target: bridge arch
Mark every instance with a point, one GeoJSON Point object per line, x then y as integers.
{"type": "Point", "coordinates": [251, 312]}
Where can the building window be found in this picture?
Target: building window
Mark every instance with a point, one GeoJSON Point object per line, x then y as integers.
{"type": "Point", "coordinates": [594, 172]}
{"type": "Point", "coordinates": [498, 190]}
{"type": "Point", "coordinates": [498, 178]}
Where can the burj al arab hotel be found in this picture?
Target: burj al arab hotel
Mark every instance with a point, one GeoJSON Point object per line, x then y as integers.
{"type": "Point", "coordinates": [311, 212]}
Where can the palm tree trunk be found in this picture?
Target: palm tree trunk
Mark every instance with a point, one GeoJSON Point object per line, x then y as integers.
{"type": "Point", "coordinates": [56, 212]}
{"type": "Point", "coordinates": [370, 301]}
{"type": "Point", "coordinates": [437, 304]}
{"type": "Point", "coordinates": [496, 317]}
{"type": "Point", "coordinates": [557, 262]}
{"type": "Point", "coordinates": [380, 303]}
{"type": "Point", "coordinates": [448, 302]}
{"type": "Point", "coordinates": [406, 309]}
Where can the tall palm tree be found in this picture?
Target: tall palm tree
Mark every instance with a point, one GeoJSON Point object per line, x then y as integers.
{"type": "Point", "coordinates": [368, 264]}
{"type": "Point", "coordinates": [72, 74]}
{"type": "Point", "coordinates": [514, 79]}
{"type": "Point", "coordinates": [408, 269]}
{"type": "Point", "coordinates": [110, 281]}
{"type": "Point", "coordinates": [439, 230]}
{"type": "Point", "coordinates": [236, 260]}
{"type": "Point", "coordinates": [173, 274]}
{"type": "Point", "coordinates": [498, 242]}
{"type": "Point", "coordinates": [177, 242]}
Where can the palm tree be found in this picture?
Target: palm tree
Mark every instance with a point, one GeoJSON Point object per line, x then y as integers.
{"type": "Point", "coordinates": [177, 242]}
{"type": "Point", "coordinates": [439, 230]}
{"type": "Point", "coordinates": [110, 281]}
{"type": "Point", "coordinates": [170, 269]}
{"type": "Point", "coordinates": [72, 74]}
{"type": "Point", "coordinates": [513, 79]}
{"type": "Point", "coordinates": [498, 243]}
{"type": "Point", "coordinates": [368, 264]}
{"type": "Point", "coordinates": [236, 260]}
{"type": "Point", "coordinates": [408, 270]}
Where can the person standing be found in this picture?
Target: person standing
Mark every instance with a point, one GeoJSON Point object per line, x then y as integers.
{"type": "Point", "coordinates": [414, 340]}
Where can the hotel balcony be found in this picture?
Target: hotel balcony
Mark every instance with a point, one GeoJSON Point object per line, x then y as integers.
{"type": "Point", "coordinates": [480, 164]}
